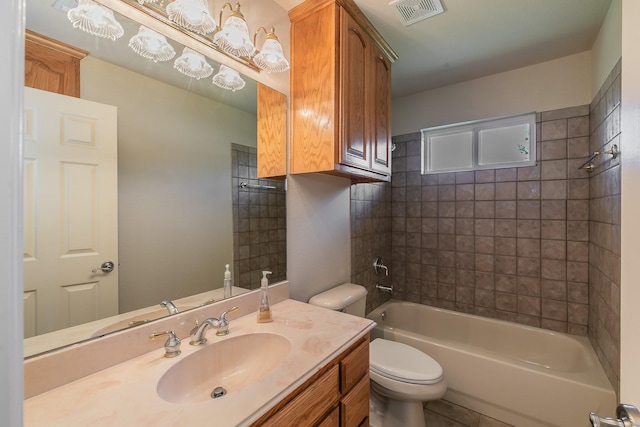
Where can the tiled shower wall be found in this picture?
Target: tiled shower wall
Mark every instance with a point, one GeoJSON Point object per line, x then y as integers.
{"type": "Point", "coordinates": [370, 238]}
{"type": "Point", "coordinates": [505, 243]}
{"type": "Point", "coordinates": [259, 222]}
{"type": "Point", "coordinates": [604, 229]}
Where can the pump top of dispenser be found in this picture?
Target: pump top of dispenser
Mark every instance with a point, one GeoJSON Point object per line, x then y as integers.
{"type": "Point", "coordinates": [227, 272]}
{"type": "Point", "coordinates": [264, 282]}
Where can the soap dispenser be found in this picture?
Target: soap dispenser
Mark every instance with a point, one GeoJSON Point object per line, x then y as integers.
{"type": "Point", "coordinates": [227, 282]}
{"type": "Point", "coordinates": [264, 311]}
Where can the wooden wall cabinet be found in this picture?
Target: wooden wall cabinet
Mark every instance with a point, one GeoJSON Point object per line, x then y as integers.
{"type": "Point", "coordinates": [52, 65]}
{"type": "Point", "coordinates": [272, 133]}
{"type": "Point", "coordinates": [337, 396]}
{"type": "Point", "coordinates": [340, 92]}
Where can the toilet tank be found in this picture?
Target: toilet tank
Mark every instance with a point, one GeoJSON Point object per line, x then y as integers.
{"type": "Point", "coordinates": [348, 297]}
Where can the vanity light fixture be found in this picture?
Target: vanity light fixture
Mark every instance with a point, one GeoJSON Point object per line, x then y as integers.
{"type": "Point", "coordinates": [192, 15]}
{"type": "Point", "coordinates": [151, 45]}
{"type": "Point", "coordinates": [95, 19]}
{"type": "Point", "coordinates": [193, 64]}
{"type": "Point", "coordinates": [271, 57]}
{"type": "Point", "coordinates": [233, 38]}
{"type": "Point", "coordinates": [228, 78]}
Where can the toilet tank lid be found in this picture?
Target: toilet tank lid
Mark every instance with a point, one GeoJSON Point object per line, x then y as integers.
{"type": "Point", "coordinates": [339, 297]}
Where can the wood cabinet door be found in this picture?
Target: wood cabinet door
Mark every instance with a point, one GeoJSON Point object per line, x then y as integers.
{"type": "Point", "coordinates": [52, 65]}
{"type": "Point", "coordinates": [272, 132]}
{"type": "Point", "coordinates": [355, 45]}
{"type": "Point", "coordinates": [380, 111]}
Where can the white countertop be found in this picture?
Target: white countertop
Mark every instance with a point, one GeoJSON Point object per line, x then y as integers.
{"type": "Point", "coordinates": [125, 394]}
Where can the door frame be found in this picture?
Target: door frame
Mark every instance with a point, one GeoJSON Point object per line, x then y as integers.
{"type": "Point", "coordinates": [12, 16]}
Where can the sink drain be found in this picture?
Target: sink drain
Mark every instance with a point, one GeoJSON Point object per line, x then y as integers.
{"type": "Point", "coordinates": [218, 392]}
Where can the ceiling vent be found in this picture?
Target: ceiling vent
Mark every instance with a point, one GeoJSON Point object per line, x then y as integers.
{"type": "Point", "coordinates": [64, 5]}
{"type": "Point", "coordinates": [412, 11]}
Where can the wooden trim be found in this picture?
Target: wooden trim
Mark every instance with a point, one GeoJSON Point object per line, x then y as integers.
{"type": "Point", "coordinates": [50, 43]}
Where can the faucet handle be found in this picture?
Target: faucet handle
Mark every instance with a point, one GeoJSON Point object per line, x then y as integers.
{"type": "Point", "coordinates": [223, 316]}
{"type": "Point", "coordinates": [378, 265]}
{"type": "Point", "coordinates": [223, 324]}
{"type": "Point", "coordinates": [171, 346]}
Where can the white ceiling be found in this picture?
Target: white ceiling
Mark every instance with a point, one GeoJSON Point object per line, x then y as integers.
{"type": "Point", "coordinates": [476, 38]}
{"type": "Point", "coordinates": [471, 39]}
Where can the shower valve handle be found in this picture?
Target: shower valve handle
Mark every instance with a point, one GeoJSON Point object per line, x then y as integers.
{"type": "Point", "coordinates": [378, 265]}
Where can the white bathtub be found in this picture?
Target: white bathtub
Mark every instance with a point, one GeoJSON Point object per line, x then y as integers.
{"type": "Point", "coordinates": [517, 374]}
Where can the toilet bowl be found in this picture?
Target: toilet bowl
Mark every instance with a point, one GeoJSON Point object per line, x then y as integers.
{"type": "Point", "coordinates": [402, 377]}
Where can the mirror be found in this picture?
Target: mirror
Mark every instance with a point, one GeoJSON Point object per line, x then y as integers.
{"type": "Point", "coordinates": [183, 148]}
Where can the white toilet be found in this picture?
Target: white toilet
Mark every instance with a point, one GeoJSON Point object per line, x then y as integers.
{"type": "Point", "coordinates": [402, 377]}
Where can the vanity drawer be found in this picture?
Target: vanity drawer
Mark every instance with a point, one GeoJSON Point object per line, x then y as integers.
{"type": "Point", "coordinates": [354, 407]}
{"type": "Point", "coordinates": [308, 407]}
{"type": "Point", "coordinates": [331, 420]}
{"type": "Point", "coordinates": [354, 366]}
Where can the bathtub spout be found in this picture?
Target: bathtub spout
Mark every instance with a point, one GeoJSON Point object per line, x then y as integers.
{"type": "Point", "coordinates": [384, 288]}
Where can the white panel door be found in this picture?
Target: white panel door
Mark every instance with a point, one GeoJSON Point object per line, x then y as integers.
{"type": "Point", "coordinates": [71, 211]}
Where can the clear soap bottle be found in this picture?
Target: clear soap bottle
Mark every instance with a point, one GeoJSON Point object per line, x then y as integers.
{"type": "Point", "coordinates": [227, 282]}
{"type": "Point", "coordinates": [264, 311]}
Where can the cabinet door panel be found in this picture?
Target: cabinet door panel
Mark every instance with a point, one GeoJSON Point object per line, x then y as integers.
{"type": "Point", "coordinates": [272, 132]}
{"type": "Point", "coordinates": [307, 408]}
{"type": "Point", "coordinates": [354, 366]}
{"type": "Point", "coordinates": [355, 60]}
{"type": "Point", "coordinates": [354, 407]}
{"type": "Point", "coordinates": [380, 114]}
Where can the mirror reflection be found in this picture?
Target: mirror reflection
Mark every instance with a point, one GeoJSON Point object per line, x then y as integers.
{"type": "Point", "coordinates": [170, 216]}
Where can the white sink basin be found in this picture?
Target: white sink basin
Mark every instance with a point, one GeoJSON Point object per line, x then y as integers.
{"type": "Point", "coordinates": [135, 321]}
{"type": "Point", "coordinates": [231, 364]}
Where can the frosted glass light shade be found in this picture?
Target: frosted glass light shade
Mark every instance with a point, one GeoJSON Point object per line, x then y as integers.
{"type": "Point", "coordinates": [271, 57]}
{"type": "Point", "coordinates": [228, 78]}
{"type": "Point", "coordinates": [192, 15]}
{"type": "Point", "coordinates": [234, 37]}
{"type": "Point", "coordinates": [151, 45]}
{"type": "Point", "coordinates": [95, 19]}
{"type": "Point", "coordinates": [193, 64]}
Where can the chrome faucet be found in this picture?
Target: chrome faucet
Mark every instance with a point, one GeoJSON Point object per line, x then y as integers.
{"type": "Point", "coordinates": [171, 308]}
{"type": "Point", "coordinates": [221, 324]}
{"type": "Point", "coordinates": [379, 266]}
{"type": "Point", "coordinates": [628, 416]}
{"type": "Point", "coordinates": [171, 346]}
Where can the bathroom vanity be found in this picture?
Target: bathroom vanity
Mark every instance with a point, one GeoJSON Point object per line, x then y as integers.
{"type": "Point", "coordinates": [337, 395]}
{"type": "Point", "coordinates": [309, 365]}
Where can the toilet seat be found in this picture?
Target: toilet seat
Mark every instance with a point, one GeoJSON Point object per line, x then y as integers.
{"type": "Point", "coordinates": [403, 363]}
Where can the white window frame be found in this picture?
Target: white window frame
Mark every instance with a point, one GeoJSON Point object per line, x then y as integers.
{"type": "Point", "coordinates": [454, 163]}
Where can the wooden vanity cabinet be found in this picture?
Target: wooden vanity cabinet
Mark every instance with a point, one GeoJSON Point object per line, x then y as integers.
{"type": "Point", "coordinates": [340, 92]}
{"type": "Point", "coordinates": [336, 396]}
